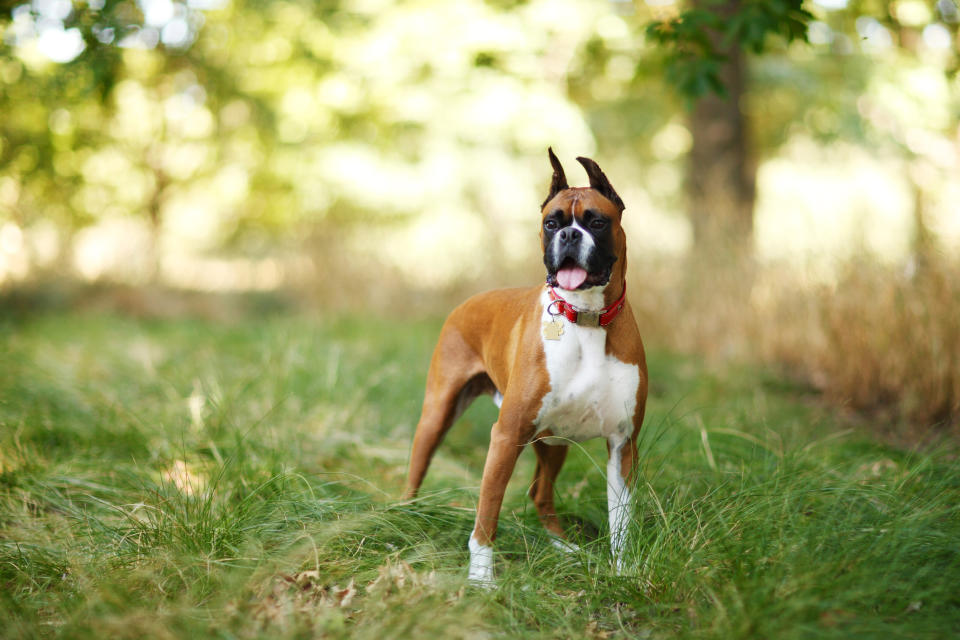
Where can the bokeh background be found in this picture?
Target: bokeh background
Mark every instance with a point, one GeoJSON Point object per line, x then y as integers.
{"type": "Point", "coordinates": [791, 169]}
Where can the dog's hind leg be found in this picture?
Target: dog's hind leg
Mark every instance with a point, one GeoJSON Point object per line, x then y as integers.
{"type": "Point", "coordinates": [455, 379]}
{"type": "Point", "coordinates": [549, 460]}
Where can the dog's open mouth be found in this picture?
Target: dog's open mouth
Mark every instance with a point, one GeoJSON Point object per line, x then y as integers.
{"type": "Point", "coordinates": [571, 276]}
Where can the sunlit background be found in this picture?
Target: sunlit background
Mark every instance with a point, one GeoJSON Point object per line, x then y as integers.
{"type": "Point", "coordinates": [224, 145]}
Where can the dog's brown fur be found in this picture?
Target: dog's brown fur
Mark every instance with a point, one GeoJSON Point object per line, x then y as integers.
{"type": "Point", "coordinates": [492, 342]}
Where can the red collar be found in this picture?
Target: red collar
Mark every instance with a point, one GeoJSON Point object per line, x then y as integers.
{"type": "Point", "coordinates": [587, 318]}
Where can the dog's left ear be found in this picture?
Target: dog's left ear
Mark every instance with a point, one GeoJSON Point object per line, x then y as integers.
{"type": "Point", "coordinates": [559, 181]}
{"type": "Point", "coordinates": [599, 182]}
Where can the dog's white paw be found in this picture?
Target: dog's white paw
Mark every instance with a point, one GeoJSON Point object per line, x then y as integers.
{"type": "Point", "coordinates": [481, 580]}
{"type": "Point", "coordinates": [481, 565]}
{"type": "Point", "coordinates": [564, 545]}
{"type": "Point", "coordinates": [618, 565]}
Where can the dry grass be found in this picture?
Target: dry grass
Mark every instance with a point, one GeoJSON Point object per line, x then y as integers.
{"type": "Point", "coordinates": [879, 339]}
{"type": "Point", "coordinates": [892, 340]}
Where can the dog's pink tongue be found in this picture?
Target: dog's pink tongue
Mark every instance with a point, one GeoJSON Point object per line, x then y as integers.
{"type": "Point", "coordinates": [570, 278]}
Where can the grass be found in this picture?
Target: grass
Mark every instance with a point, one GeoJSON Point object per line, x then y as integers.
{"type": "Point", "coordinates": [181, 478]}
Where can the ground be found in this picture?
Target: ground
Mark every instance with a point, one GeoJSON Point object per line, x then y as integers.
{"type": "Point", "coordinates": [241, 478]}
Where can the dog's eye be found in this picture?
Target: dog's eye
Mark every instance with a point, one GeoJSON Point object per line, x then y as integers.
{"type": "Point", "coordinates": [598, 223]}
{"type": "Point", "coordinates": [551, 224]}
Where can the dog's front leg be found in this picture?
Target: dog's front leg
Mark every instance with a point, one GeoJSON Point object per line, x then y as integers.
{"type": "Point", "coordinates": [618, 495]}
{"type": "Point", "coordinates": [506, 442]}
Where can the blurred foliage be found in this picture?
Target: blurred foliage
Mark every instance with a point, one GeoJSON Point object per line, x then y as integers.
{"type": "Point", "coordinates": [694, 41]}
{"type": "Point", "coordinates": [240, 126]}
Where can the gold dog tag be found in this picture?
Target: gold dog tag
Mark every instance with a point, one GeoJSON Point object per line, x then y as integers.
{"type": "Point", "coordinates": [552, 329]}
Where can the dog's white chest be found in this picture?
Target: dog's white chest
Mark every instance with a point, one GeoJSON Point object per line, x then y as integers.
{"type": "Point", "coordinates": [591, 393]}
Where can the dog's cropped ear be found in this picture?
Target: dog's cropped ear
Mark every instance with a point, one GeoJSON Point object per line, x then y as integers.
{"type": "Point", "coordinates": [559, 181]}
{"type": "Point", "coordinates": [599, 182]}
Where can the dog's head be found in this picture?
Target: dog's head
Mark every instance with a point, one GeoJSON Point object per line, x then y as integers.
{"type": "Point", "coordinates": [583, 242]}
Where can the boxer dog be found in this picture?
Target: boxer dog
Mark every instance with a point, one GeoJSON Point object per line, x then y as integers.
{"type": "Point", "coordinates": [563, 361]}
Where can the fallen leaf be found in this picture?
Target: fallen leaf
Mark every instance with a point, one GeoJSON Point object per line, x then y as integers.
{"type": "Point", "coordinates": [833, 617]}
{"type": "Point", "coordinates": [458, 595]}
{"type": "Point", "coordinates": [593, 630]}
{"type": "Point", "coordinates": [344, 596]}
{"type": "Point", "coordinates": [305, 579]}
{"type": "Point", "coordinates": [396, 576]}
{"type": "Point", "coordinates": [185, 478]}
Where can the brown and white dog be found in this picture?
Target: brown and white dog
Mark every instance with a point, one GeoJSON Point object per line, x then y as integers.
{"type": "Point", "coordinates": [564, 362]}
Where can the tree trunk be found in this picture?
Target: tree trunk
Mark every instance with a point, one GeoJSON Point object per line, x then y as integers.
{"type": "Point", "coordinates": [721, 183]}
{"type": "Point", "coordinates": [721, 186]}
{"type": "Point", "coordinates": [153, 160]}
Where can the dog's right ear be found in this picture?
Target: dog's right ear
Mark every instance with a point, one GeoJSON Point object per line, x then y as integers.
{"type": "Point", "coordinates": [559, 181]}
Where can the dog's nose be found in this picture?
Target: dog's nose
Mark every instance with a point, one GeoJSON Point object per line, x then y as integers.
{"type": "Point", "coordinates": [569, 235]}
